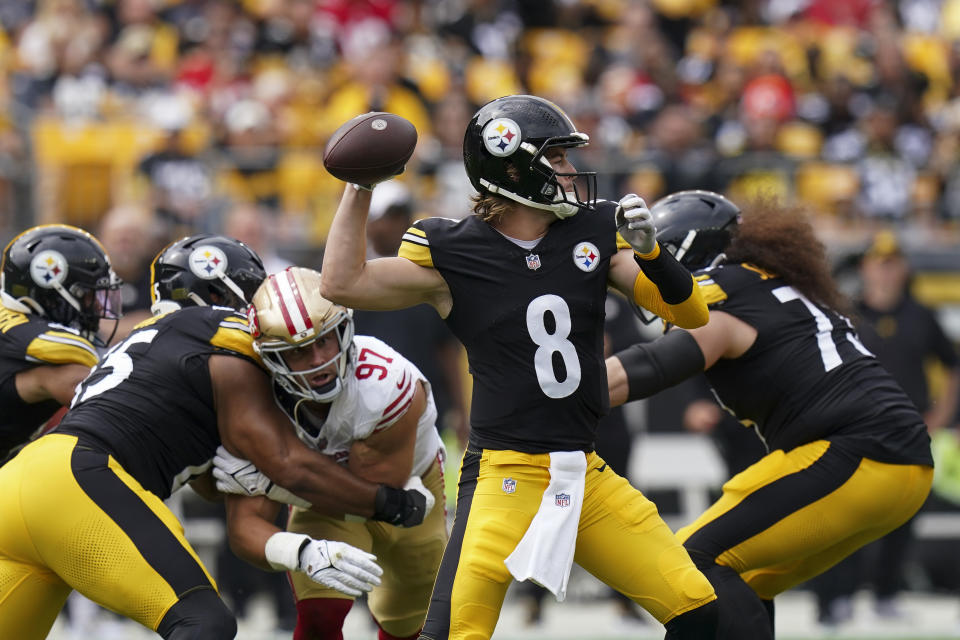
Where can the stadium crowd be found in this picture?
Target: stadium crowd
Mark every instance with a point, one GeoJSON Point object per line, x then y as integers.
{"type": "Point", "coordinates": [145, 120]}
{"type": "Point", "coordinates": [848, 106]}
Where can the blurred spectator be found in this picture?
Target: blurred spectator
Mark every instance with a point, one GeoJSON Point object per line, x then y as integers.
{"type": "Point", "coordinates": [132, 237]}
{"type": "Point", "coordinates": [250, 155]}
{"type": "Point", "coordinates": [256, 226]}
{"type": "Point", "coordinates": [417, 332]}
{"type": "Point", "coordinates": [179, 182]}
{"type": "Point", "coordinates": [144, 54]}
{"type": "Point", "coordinates": [904, 335]}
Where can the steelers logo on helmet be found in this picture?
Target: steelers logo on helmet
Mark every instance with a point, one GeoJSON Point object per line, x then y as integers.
{"type": "Point", "coordinates": [48, 268]}
{"type": "Point", "coordinates": [208, 262]}
{"type": "Point", "coordinates": [501, 136]}
{"type": "Point", "coordinates": [586, 256]}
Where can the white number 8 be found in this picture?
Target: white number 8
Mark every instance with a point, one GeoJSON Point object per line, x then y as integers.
{"type": "Point", "coordinates": [550, 343]}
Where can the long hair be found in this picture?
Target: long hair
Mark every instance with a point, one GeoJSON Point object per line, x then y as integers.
{"type": "Point", "coordinates": [491, 208]}
{"type": "Point", "coordinates": [779, 239]}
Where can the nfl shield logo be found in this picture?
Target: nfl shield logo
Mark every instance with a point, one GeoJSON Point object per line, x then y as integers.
{"type": "Point", "coordinates": [533, 262]}
{"type": "Point", "coordinates": [562, 500]}
{"type": "Point", "coordinates": [509, 485]}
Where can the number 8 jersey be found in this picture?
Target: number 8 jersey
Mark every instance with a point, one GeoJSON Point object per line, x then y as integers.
{"type": "Point", "coordinates": [531, 321]}
{"type": "Point", "coordinates": [149, 403]}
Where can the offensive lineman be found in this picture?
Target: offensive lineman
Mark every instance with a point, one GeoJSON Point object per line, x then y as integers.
{"type": "Point", "coordinates": [147, 420]}
{"type": "Point", "coordinates": [849, 457]}
{"type": "Point", "coordinates": [522, 284]}
{"type": "Point", "coordinates": [57, 285]}
{"type": "Point", "coordinates": [358, 400]}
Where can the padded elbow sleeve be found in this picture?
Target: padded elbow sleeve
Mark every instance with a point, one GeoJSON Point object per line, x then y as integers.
{"type": "Point", "coordinates": [654, 366]}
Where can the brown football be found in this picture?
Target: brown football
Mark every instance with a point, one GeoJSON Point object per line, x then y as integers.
{"type": "Point", "coordinates": [370, 148]}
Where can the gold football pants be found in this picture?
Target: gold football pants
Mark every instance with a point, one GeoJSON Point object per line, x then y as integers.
{"type": "Point", "coordinates": [795, 514]}
{"type": "Point", "coordinates": [72, 518]}
{"type": "Point", "coordinates": [621, 540]}
{"type": "Point", "coordinates": [409, 557]}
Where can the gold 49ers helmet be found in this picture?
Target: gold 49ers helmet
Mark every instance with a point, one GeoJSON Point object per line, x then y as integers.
{"type": "Point", "coordinates": [288, 313]}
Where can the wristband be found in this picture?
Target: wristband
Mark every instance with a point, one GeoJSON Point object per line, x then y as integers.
{"type": "Point", "coordinates": [388, 506]}
{"type": "Point", "coordinates": [283, 550]}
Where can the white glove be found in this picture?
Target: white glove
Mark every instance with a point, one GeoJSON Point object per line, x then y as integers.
{"type": "Point", "coordinates": [239, 476]}
{"type": "Point", "coordinates": [635, 223]}
{"type": "Point", "coordinates": [416, 484]}
{"type": "Point", "coordinates": [333, 564]}
{"type": "Point", "coordinates": [339, 566]}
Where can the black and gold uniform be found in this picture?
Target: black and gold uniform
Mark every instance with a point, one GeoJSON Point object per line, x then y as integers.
{"type": "Point", "coordinates": [28, 341]}
{"type": "Point", "coordinates": [849, 455]}
{"type": "Point", "coordinates": [532, 323]}
{"type": "Point", "coordinates": [142, 424]}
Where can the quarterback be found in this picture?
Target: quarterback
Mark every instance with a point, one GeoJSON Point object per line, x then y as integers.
{"type": "Point", "coordinates": [57, 286]}
{"type": "Point", "coordinates": [357, 400]}
{"type": "Point", "coordinates": [849, 457]}
{"type": "Point", "coordinates": [147, 420]}
{"type": "Point", "coordinates": [522, 283]}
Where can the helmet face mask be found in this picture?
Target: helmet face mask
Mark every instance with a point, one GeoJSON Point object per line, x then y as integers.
{"type": "Point", "coordinates": [63, 274]}
{"type": "Point", "coordinates": [204, 270]}
{"type": "Point", "coordinates": [276, 356]}
{"type": "Point", "coordinates": [505, 152]}
{"type": "Point", "coordinates": [288, 314]}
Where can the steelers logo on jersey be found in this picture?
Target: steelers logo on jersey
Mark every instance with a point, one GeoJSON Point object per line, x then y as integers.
{"type": "Point", "coordinates": [48, 268]}
{"type": "Point", "coordinates": [586, 256]}
{"type": "Point", "coordinates": [208, 262]}
{"type": "Point", "coordinates": [501, 136]}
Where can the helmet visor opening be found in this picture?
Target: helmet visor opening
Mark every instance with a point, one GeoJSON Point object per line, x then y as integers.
{"type": "Point", "coordinates": [583, 183]}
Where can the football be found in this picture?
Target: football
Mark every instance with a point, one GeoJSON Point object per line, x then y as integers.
{"type": "Point", "coordinates": [370, 148]}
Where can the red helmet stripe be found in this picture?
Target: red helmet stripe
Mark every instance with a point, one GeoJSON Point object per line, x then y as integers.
{"type": "Point", "coordinates": [298, 299]}
{"type": "Point", "coordinates": [283, 306]}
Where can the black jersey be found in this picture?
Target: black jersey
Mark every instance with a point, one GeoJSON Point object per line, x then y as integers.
{"type": "Point", "coordinates": [531, 322]}
{"type": "Point", "coordinates": [150, 401]}
{"type": "Point", "coordinates": [27, 341]}
{"type": "Point", "coordinates": [807, 376]}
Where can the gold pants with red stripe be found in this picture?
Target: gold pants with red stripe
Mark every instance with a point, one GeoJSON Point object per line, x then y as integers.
{"type": "Point", "coordinates": [621, 540]}
{"type": "Point", "coordinates": [795, 514]}
{"type": "Point", "coordinates": [410, 558]}
{"type": "Point", "coordinates": [72, 518]}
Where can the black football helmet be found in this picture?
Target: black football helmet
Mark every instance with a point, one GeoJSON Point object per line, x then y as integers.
{"type": "Point", "coordinates": [504, 147]}
{"type": "Point", "coordinates": [63, 274]}
{"type": "Point", "coordinates": [695, 226]}
{"type": "Point", "coordinates": [204, 270]}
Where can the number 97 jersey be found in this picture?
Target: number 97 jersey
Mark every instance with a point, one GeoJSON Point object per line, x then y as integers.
{"type": "Point", "coordinates": [378, 390]}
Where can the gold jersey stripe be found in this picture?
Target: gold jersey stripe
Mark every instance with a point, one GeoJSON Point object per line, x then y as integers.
{"type": "Point", "coordinates": [417, 232]}
{"type": "Point", "coordinates": [58, 347]}
{"type": "Point", "coordinates": [764, 274]}
{"type": "Point", "coordinates": [235, 340]}
{"type": "Point", "coordinates": [712, 292]}
{"type": "Point", "coordinates": [621, 243]}
{"type": "Point", "coordinates": [416, 253]}
{"type": "Point", "coordinates": [10, 319]}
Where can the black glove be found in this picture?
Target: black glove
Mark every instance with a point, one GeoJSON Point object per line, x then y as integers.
{"type": "Point", "coordinates": [403, 507]}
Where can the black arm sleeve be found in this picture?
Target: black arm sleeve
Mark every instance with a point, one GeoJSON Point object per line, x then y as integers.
{"type": "Point", "coordinates": [672, 279]}
{"type": "Point", "coordinates": [653, 366]}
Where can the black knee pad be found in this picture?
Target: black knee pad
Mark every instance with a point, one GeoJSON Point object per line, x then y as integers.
{"type": "Point", "coordinates": [696, 624]}
{"type": "Point", "coordinates": [199, 615]}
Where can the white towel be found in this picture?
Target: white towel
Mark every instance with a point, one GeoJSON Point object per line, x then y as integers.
{"type": "Point", "coordinates": [545, 553]}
